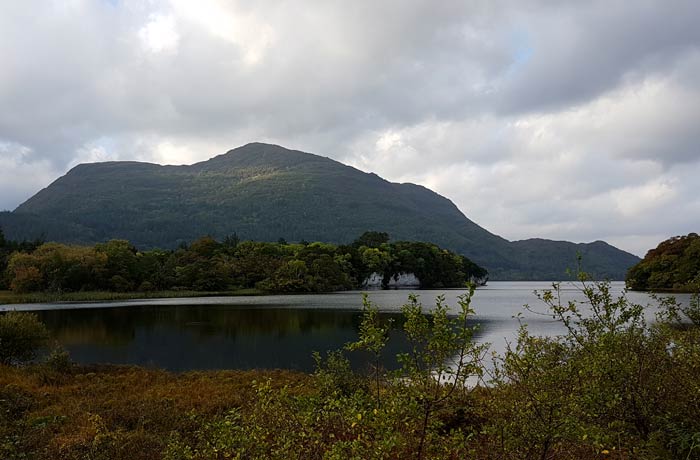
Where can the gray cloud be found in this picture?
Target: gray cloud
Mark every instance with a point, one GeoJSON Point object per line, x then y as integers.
{"type": "Point", "coordinates": [577, 52]}
{"type": "Point", "coordinates": [567, 120]}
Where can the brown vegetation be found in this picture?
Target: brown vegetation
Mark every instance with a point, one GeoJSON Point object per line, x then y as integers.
{"type": "Point", "coordinates": [117, 412]}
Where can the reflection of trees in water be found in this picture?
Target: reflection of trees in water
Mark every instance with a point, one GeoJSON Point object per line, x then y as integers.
{"type": "Point", "coordinates": [120, 325]}
{"type": "Point", "coordinates": [250, 334]}
{"type": "Point", "coordinates": [89, 326]}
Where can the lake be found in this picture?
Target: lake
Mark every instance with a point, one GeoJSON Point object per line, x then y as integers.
{"type": "Point", "coordinates": [272, 331]}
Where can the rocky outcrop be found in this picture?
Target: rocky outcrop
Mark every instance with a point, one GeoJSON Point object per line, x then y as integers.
{"type": "Point", "coordinates": [399, 280]}
{"type": "Point", "coordinates": [402, 280]}
{"type": "Point", "coordinates": [373, 281]}
{"type": "Point", "coordinates": [406, 280]}
{"type": "Point", "coordinates": [479, 280]}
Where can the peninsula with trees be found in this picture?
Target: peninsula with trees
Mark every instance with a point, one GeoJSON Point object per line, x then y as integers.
{"type": "Point", "coordinates": [231, 266]}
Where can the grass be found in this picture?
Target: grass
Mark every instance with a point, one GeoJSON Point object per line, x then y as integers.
{"type": "Point", "coordinates": [9, 297]}
{"type": "Point", "coordinates": [75, 414]}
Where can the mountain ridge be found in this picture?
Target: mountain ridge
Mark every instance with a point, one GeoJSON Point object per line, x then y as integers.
{"type": "Point", "coordinates": [265, 192]}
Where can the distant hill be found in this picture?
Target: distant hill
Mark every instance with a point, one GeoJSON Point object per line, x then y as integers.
{"type": "Point", "coordinates": [674, 265]}
{"type": "Point", "coordinates": [265, 192]}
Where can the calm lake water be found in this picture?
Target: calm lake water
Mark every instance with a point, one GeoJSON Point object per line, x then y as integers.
{"type": "Point", "coordinates": [278, 331]}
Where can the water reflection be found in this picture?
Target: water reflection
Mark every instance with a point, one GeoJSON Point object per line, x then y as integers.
{"type": "Point", "coordinates": [205, 337]}
{"type": "Point", "coordinates": [268, 331]}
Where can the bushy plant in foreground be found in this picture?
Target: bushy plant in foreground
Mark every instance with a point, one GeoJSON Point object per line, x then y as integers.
{"type": "Point", "coordinates": [442, 360]}
{"type": "Point", "coordinates": [612, 383]}
{"type": "Point", "coordinates": [22, 335]}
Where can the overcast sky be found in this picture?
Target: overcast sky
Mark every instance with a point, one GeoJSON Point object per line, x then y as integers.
{"type": "Point", "coordinates": [575, 120]}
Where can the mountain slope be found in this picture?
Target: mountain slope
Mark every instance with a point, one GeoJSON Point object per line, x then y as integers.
{"type": "Point", "coordinates": [265, 192]}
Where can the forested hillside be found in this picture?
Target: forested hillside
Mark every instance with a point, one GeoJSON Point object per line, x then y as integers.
{"type": "Point", "coordinates": [674, 265]}
{"type": "Point", "coordinates": [265, 192]}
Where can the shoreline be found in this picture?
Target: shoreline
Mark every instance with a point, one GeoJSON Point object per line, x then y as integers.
{"type": "Point", "coordinates": [10, 298]}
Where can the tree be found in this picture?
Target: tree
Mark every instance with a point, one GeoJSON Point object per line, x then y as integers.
{"type": "Point", "coordinates": [435, 373]}
{"type": "Point", "coordinates": [27, 279]}
{"type": "Point", "coordinates": [372, 239]}
{"type": "Point", "coordinates": [231, 241]}
{"type": "Point", "coordinates": [122, 264]}
{"type": "Point", "coordinates": [61, 267]}
{"type": "Point", "coordinates": [442, 360]}
{"type": "Point", "coordinates": [374, 335]}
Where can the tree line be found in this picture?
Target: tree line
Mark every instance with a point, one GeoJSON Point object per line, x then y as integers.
{"type": "Point", "coordinates": [210, 265]}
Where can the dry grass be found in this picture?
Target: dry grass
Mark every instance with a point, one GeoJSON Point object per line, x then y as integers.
{"type": "Point", "coordinates": [49, 415]}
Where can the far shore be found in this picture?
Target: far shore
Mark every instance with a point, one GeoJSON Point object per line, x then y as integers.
{"type": "Point", "coordinates": [9, 297]}
{"type": "Point", "coordinates": [13, 298]}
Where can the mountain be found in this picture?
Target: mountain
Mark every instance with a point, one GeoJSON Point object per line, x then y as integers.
{"type": "Point", "coordinates": [265, 192]}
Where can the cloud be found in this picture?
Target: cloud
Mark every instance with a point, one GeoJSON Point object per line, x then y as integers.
{"type": "Point", "coordinates": [160, 34]}
{"type": "Point", "coordinates": [20, 178]}
{"type": "Point", "coordinates": [569, 120]}
{"type": "Point", "coordinates": [578, 52]}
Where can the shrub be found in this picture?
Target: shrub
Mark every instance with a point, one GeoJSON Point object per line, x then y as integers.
{"type": "Point", "coordinates": [603, 386]}
{"type": "Point", "coordinates": [22, 335]}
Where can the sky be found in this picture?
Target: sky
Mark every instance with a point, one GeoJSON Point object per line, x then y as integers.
{"type": "Point", "coordinates": [568, 120]}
